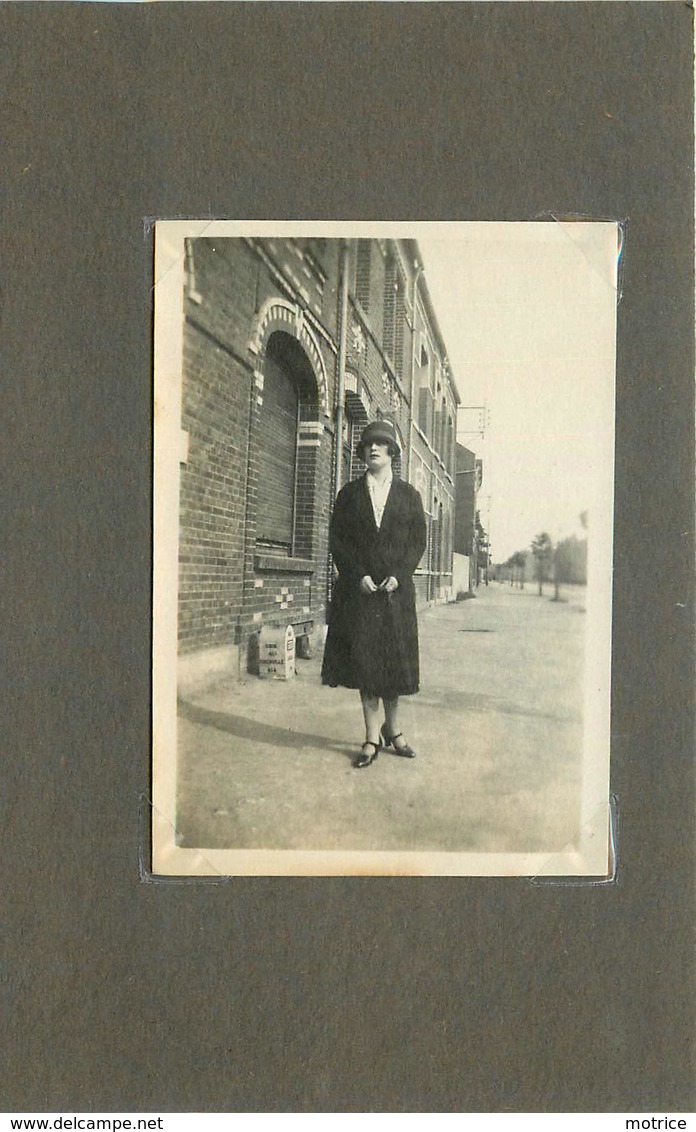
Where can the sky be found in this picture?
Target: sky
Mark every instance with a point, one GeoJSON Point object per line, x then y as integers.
{"type": "Point", "coordinates": [528, 315]}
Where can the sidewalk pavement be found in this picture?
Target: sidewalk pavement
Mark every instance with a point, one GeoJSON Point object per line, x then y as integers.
{"type": "Point", "coordinates": [497, 726]}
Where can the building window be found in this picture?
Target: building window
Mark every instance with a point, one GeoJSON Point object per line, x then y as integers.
{"type": "Point", "coordinates": [394, 314]}
{"type": "Point", "coordinates": [363, 267]}
{"type": "Point", "coordinates": [289, 439]}
{"type": "Point", "coordinates": [278, 449]}
{"type": "Point", "coordinates": [424, 404]}
{"type": "Point", "coordinates": [440, 442]}
{"type": "Point", "coordinates": [286, 452]}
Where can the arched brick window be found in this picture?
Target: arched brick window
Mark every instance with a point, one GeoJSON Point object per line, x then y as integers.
{"type": "Point", "coordinates": [289, 394]}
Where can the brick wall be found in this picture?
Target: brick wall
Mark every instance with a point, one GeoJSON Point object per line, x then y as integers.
{"type": "Point", "coordinates": [229, 585]}
{"type": "Point", "coordinates": [215, 413]}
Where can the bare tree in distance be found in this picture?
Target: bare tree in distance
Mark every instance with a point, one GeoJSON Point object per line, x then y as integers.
{"type": "Point", "coordinates": [516, 564]}
{"type": "Point", "coordinates": [542, 549]}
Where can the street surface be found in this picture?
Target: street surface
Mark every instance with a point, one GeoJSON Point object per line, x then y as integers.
{"type": "Point", "coordinates": [497, 726]}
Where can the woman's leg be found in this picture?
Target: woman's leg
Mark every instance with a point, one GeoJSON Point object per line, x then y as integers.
{"type": "Point", "coordinates": [391, 722]}
{"type": "Point", "coordinates": [370, 706]}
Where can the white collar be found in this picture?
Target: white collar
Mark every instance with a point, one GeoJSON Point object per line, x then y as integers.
{"type": "Point", "coordinates": [380, 488]}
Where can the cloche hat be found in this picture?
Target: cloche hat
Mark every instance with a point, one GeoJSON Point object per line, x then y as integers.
{"type": "Point", "coordinates": [382, 431]}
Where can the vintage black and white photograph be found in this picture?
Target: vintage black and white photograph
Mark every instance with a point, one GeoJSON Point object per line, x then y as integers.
{"type": "Point", "coordinates": [383, 486]}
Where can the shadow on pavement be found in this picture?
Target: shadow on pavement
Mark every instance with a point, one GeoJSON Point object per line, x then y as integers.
{"type": "Point", "coordinates": [258, 732]}
{"type": "Point", "coordinates": [461, 702]}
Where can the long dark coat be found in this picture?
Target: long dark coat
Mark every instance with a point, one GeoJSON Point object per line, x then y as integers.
{"type": "Point", "coordinates": [372, 640]}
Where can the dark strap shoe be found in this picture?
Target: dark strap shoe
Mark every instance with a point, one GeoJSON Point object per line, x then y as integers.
{"type": "Point", "coordinates": [404, 750]}
{"type": "Point", "coordinates": [365, 758]}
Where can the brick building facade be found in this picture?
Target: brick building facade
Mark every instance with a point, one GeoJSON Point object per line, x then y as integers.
{"type": "Point", "coordinates": [290, 346]}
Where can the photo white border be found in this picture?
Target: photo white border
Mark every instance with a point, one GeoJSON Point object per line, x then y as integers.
{"type": "Point", "coordinates": [590, 855]}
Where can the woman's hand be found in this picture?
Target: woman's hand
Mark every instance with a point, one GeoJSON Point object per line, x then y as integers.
{"type": "Point", "coordinates": [367, 586]}
{"type": "Point", "coordinates": [389, 585]}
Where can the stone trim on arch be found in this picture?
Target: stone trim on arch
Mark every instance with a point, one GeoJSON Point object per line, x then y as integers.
{"type": "Point", "coordinates": [280, 314]}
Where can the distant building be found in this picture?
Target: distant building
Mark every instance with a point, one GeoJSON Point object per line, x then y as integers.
{"type": "Point", "coordinates": [469, 475]}
{"type": "Point", "coordinates": [291, 346]}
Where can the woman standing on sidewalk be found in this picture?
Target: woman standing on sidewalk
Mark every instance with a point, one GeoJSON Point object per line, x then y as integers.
{"type": "Point", "coordinates": [377, 538]}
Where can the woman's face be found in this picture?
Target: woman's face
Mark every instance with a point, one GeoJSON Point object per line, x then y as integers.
{"type": "Point", "coordinates": [377, 456]}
